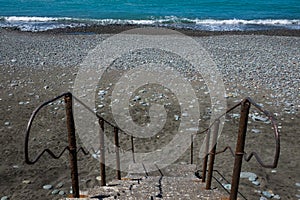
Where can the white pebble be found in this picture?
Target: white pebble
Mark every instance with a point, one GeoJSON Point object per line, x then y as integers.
{"type": "Point", "coordinates": [26, 181]}
{"type": "Point", "coordinates": [256, 131]}
{"type": "Point", "coordinates": [5, 198]}
{"type": "Point", "coordinates": [257, 183]}
{"type": "Point", "coordinates": [227, 186]}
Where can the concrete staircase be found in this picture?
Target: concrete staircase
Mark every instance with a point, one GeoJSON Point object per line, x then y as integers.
{"type": "Point", "coordinates": [171, 182]}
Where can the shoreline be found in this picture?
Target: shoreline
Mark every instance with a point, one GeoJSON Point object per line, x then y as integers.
{"type": "Point", "coordinates": [115, 29]}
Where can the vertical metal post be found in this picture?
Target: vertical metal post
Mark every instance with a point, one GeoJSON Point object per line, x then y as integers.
{"type": "Point", "coordinates": [239, 152]}
{"type": "Point", "coordinates": [102, 154]}
{"type": "Point", "coordinates": [205, 159]}
{"type": "Point", "coordinates": [192, 148]}
{"type": "Point", "coordinates": [212, 154]}
{"type": "Point", "coordinates": [72, 145]}
{"type": "Point", "coordinates": [117, 147]}
{"type": "Point", "coordinates": [132, 149]}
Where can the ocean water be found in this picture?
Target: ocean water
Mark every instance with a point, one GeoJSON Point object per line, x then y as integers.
{"type": "Point", "coordinates": [213, 15]}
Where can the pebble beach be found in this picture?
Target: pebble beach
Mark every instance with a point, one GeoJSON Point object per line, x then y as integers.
{"type": "Point", "coordinates": [38, 66]}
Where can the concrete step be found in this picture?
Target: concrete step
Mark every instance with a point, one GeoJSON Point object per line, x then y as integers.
{"type": "Point", "coordinates": [173, 182]}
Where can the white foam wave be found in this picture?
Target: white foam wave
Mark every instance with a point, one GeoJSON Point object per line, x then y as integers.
{"type": "Point", "coordinates": [25, 23]}
{"type": "Point", "coordinates": [30, 19]}
{"type": "Point", "coordinates": [251, 22]}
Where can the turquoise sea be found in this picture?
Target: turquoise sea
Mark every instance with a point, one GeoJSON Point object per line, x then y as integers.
{"type": "Point", "coordinates": [214, 15]}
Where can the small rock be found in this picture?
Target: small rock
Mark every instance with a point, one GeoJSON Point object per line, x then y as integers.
{"type": "Point", "coordinates": [55, 191]}
{"type": "Point", "coordinates": [100, 106]}
{"type": "Point", "coordinates": [298, 184]}
{"type": "Point", "coordinates": [59, 185]}
{"type": "Point", "coordinates": [5, 198]}
{"type": "Point", "coordinates": [176, 117]}
{"type": "Point", "coordinates": [263, 198]}
{"type": "Point", "coordinates": [227, 186]}
{"type": "Point", "coordinates": [144, 103]}
{"type": "Point", "coordinates": [61, 192]}
{"type": "Point", "coordinates": [14, 84]}
{"type": "Point", "coordinates": [26, 181]}
{"type": "Point", "coordinates": [273, 171]}
{"type": "Point", "coordinates": [257, 183]}
{"type": "Point", "coordinates": [102, 92]}
{"type": "Point", "coordinates": [46, 87]}
{"type": "Point", "coordinates": [236, 116]}
{"type": "Point", "coordinates": [248, 175]}
{"type": "Point", "coordinates": [259, 118]}
{"type": "Point", "coordinates": [252, 178]}
{"type": "Point", "coordinates": [228, 95]}
{"type": "Point", "coordinates": [276, 196]}
{"type": "Point", "coordinates": [7, 123]}
{"type": "Point", "coordinates": [47, 187]}
{"type": "Point", "coordinates": [185, 114]}
{"type": "Point", "coordinates": [257, 191]}
{"type": "Point", "coordinates": [256, 131]}
{"type": "Point", "coordinates": [98, 178]}
{"type": "Point", "coordinates": [267, 194]}
{"type": "Point", "coordinates": [136, 98]}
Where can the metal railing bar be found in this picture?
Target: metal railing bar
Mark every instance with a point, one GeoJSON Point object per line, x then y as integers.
{"type": "Point", "coordinates": [32, 117]}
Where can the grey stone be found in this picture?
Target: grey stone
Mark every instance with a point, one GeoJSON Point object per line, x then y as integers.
{"type": "Point", "coordinates": [252, 178]}
{"type": "Point", "coordinates": [59, 185]}
{"type": "Point", "coordinates": [5, 198]}
{"type": "Point", "coordinates": [254, 130]}
{"type": "Point", "coordinates": [47, 187]}
{"type": "Point", "coordinates": [267, 194]}
{"type": "Point", "coordinates": [248, 175]}
{"type": "Point", "coordinates": [259, 118]}
{"type": "Point", "coordinates": [55, 191]}
{"type": "Point", "coordinates": [61, 192]}
{"type": "Point", "coordinates": [136, 98]}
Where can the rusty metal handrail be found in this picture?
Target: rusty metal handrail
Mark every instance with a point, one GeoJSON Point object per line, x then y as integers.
{"type": "Point", "coordinates": [73, 150]}
{"type": "Point", "coordinates": [32, 117]}
{"type": "Point", "coordinates": [255, 154]}
{"type": "Point", "coordinates": [240, 154]}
